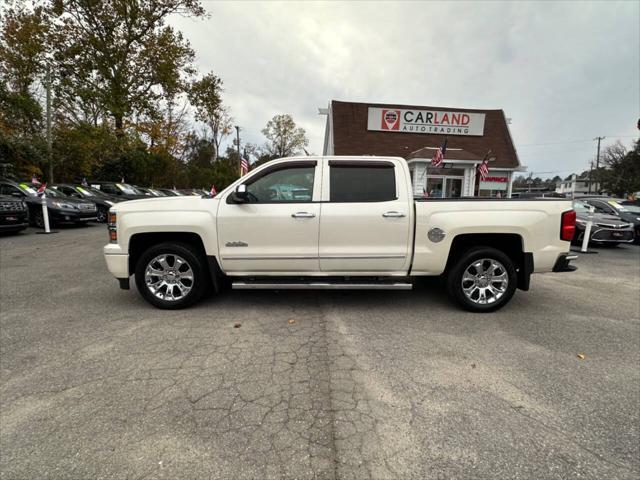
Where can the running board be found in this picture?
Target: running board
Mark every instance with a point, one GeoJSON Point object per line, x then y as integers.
{"type": "Point", "coordinates": [320, 286]}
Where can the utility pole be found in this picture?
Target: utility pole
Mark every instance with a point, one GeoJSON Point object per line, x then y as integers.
{"type": "Point", "coordinates": [597, 162]}
{"type": "Point", "coordinates": [238, 145]}
{"type": "Point", "coordinates": [49, 153]}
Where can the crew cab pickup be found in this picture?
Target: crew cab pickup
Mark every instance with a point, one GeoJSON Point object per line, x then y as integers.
{"type": "Point", "coordinates": [335, 223]}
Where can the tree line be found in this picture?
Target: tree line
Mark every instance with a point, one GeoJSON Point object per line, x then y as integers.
{"type": "Point", "coordinates": [123, 92]}
{"type": "Point", "coordinates": [618, 173]}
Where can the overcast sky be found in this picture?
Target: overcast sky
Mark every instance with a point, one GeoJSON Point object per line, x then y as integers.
{"type": "Point", "coordinates": [563, 72]}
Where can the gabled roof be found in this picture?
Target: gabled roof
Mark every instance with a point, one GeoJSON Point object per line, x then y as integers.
{"type": "Point", "coordinates": [351, 137]}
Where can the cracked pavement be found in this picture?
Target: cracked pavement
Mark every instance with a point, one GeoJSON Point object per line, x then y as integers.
{"type": "Point", "coordinates": [95, 383]}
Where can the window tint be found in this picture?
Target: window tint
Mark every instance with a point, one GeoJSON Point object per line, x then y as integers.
{"type": "Point", "coordinates": [109, 188]}
{"type": "Point", "coordinates": [9, 190]}
{"type": "Point", "coordinates": [362, 183]}
{"type": "Point", "coordinates": [286, 185]}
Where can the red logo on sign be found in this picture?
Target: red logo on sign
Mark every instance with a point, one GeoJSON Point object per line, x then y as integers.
{"type": "Point", "coordinates": [391, 119]}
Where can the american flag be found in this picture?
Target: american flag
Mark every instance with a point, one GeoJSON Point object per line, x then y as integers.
{"type": "Point", "coordinates": [34, 180]}
{"type": "Point", "coordinates": [483, 168]}
{"type": "Point", "coordinates": [213, 192]}
{"type": "Point", "coordinates": [84, 182]}
{"type": "Point", "coordinates": [244, 166]}
{"type": "Point", "coordinates": [438, 157]}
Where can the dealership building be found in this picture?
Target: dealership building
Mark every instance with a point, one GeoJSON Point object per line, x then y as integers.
{"type": "Point", "coordinates": [416, 132]}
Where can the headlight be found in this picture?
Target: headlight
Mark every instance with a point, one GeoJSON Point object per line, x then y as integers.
{"type": "Point", "coordinates": [59, 204]}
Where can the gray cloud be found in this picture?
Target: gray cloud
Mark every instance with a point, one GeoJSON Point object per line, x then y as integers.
{"type": "Point", "coordinates": [562, 71]}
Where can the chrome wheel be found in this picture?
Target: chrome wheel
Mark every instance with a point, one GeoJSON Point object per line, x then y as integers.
{"type": "Point", "coordinates": [485, 281]}
{"type": "Point", "coordinates": [169, 277]}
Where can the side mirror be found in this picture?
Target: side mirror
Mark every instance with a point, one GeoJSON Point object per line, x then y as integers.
{"type": "Point", "coordinates": [240, 195]}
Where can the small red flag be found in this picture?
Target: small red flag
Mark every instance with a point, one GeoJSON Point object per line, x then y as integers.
{"type": "Point", "coordinates": [213, 192]}
{"type": "Point", "coordinates": [42, 187]}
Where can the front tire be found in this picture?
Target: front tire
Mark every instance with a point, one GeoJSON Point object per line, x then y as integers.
{"type": "Point", "coordinates": [171, 275]}
{"type": "Point", "coordinates": [101, 216]}
{"type": "Point", "coordinates": [482, 280]}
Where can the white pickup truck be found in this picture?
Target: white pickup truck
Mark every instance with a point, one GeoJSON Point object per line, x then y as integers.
{"type": "Point", "coordinates": [335, 223]}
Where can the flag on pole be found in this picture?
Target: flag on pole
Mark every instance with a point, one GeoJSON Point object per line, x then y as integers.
{"type": "Point", "coordinates": [84, 182]}
{"type": "Point", "coordinates": [213, 192]}
{"type": "Point", "coordinates": [438, 157]}
{"type": "Point", "coordinates": [483, 168]}
{"type": "Point", "coordinates": [34, 180]}
{"type": "Point", "coordinates": [122, 180]}
{"type": "Point", "coordinates": [244, 166]}
{"type": "Point", "coordinates": [42, 187]}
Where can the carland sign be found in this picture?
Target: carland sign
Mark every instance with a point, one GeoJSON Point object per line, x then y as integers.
{"type": "Point", "coordinates": [425, 121]}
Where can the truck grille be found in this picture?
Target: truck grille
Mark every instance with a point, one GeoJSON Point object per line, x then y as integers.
{"type": "Point", "coordinates": [11, 206]}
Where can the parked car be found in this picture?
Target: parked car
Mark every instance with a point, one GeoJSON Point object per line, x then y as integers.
{"type": "Point", "coordinates": [152, 192]}
{"type": "Point", "coordinates": [61, 208]}
{"type": "Point", "coordinates": [102, 201]}
{"type": "Point", "coordinates": [606, 229]}
{"type": "Point", "coordinates": [13, 213]}
{"type": "Point", "coordinates": [362, 230]}
{"type": "Point", "coordinates": [171, 193]}
{"type": "Point", "coordinates": [121, 190]}
{"type": "Point", "coordinates": [627, 210]}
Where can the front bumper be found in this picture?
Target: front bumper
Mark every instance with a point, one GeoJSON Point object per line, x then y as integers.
{"type": "Point", "coordinates": [72, 215]}
{"type": "Point", "coordinates": [563, 263]}
{"type": "Point", "coordinates": [117, 261]}
{"type": "Point", "coordinates": [12, 221]}
{"type": "Point", "coordinates": [612, 235]}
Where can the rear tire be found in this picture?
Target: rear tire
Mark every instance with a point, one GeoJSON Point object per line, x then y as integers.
{"type": "Point", "coordinates": [171, 276]}
{"type": "Point", "coordinates": [482, 280]}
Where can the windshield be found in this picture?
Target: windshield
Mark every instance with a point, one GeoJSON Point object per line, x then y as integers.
{"type": "Point", "coordinates": [85, 191]}
{"type": "Point", "coordinates": [128, 189]}
{"type": "Point", "coordinates": [28, 189]}
{"type": "Point", "coordinates": [631, 207]}
{"type": "Point", "coordinates": [580, 207]}
{"type": "Point", "coordinates": [96, 192]}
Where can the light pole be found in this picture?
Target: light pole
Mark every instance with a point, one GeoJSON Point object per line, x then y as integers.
{"type": "Point", "coordinates": [597, 162]}
{"type": "Point", "coordinates": [238, 145]}
{"type": "Point", "coordinates": [48, 133]}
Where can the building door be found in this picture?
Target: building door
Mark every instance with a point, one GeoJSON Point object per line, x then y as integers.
{"type": "Point", "coordinates": [453, 187]}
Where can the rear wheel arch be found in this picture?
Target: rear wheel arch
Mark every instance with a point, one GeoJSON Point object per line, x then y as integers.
{"type": "Point", "coordinates": [511, 244]}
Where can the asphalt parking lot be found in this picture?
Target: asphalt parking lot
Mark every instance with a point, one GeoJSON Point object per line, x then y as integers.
{"type": "Point", "coordinates": [95, 383]}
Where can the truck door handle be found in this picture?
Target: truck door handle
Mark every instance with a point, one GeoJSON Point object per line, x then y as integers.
{"type": "Point", "coordinates": [303, 215]}
{"type": "Point", "coordinates": [393, 214]}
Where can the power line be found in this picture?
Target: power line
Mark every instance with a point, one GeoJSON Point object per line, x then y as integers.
{"type": "Point", "coordinates": [571, 141]}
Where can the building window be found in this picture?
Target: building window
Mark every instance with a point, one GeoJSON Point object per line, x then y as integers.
{"type": "Point", "coordinates": [362, 184]}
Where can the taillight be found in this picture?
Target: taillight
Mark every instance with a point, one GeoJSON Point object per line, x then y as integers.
{"type": "Point", "coordinates": [568, 225]}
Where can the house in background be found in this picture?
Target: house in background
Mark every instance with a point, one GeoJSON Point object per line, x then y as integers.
{"type": "Point", "coordinates": [577, 186]}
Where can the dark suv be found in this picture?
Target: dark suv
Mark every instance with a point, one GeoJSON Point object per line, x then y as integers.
{"type": "Point", "coordinates": [13, 214]}
{"type": "Point", "coordinates": [60, 207]}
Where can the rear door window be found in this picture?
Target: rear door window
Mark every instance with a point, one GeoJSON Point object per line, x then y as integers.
{"type": "Point", "coordinates": [368, 182]}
